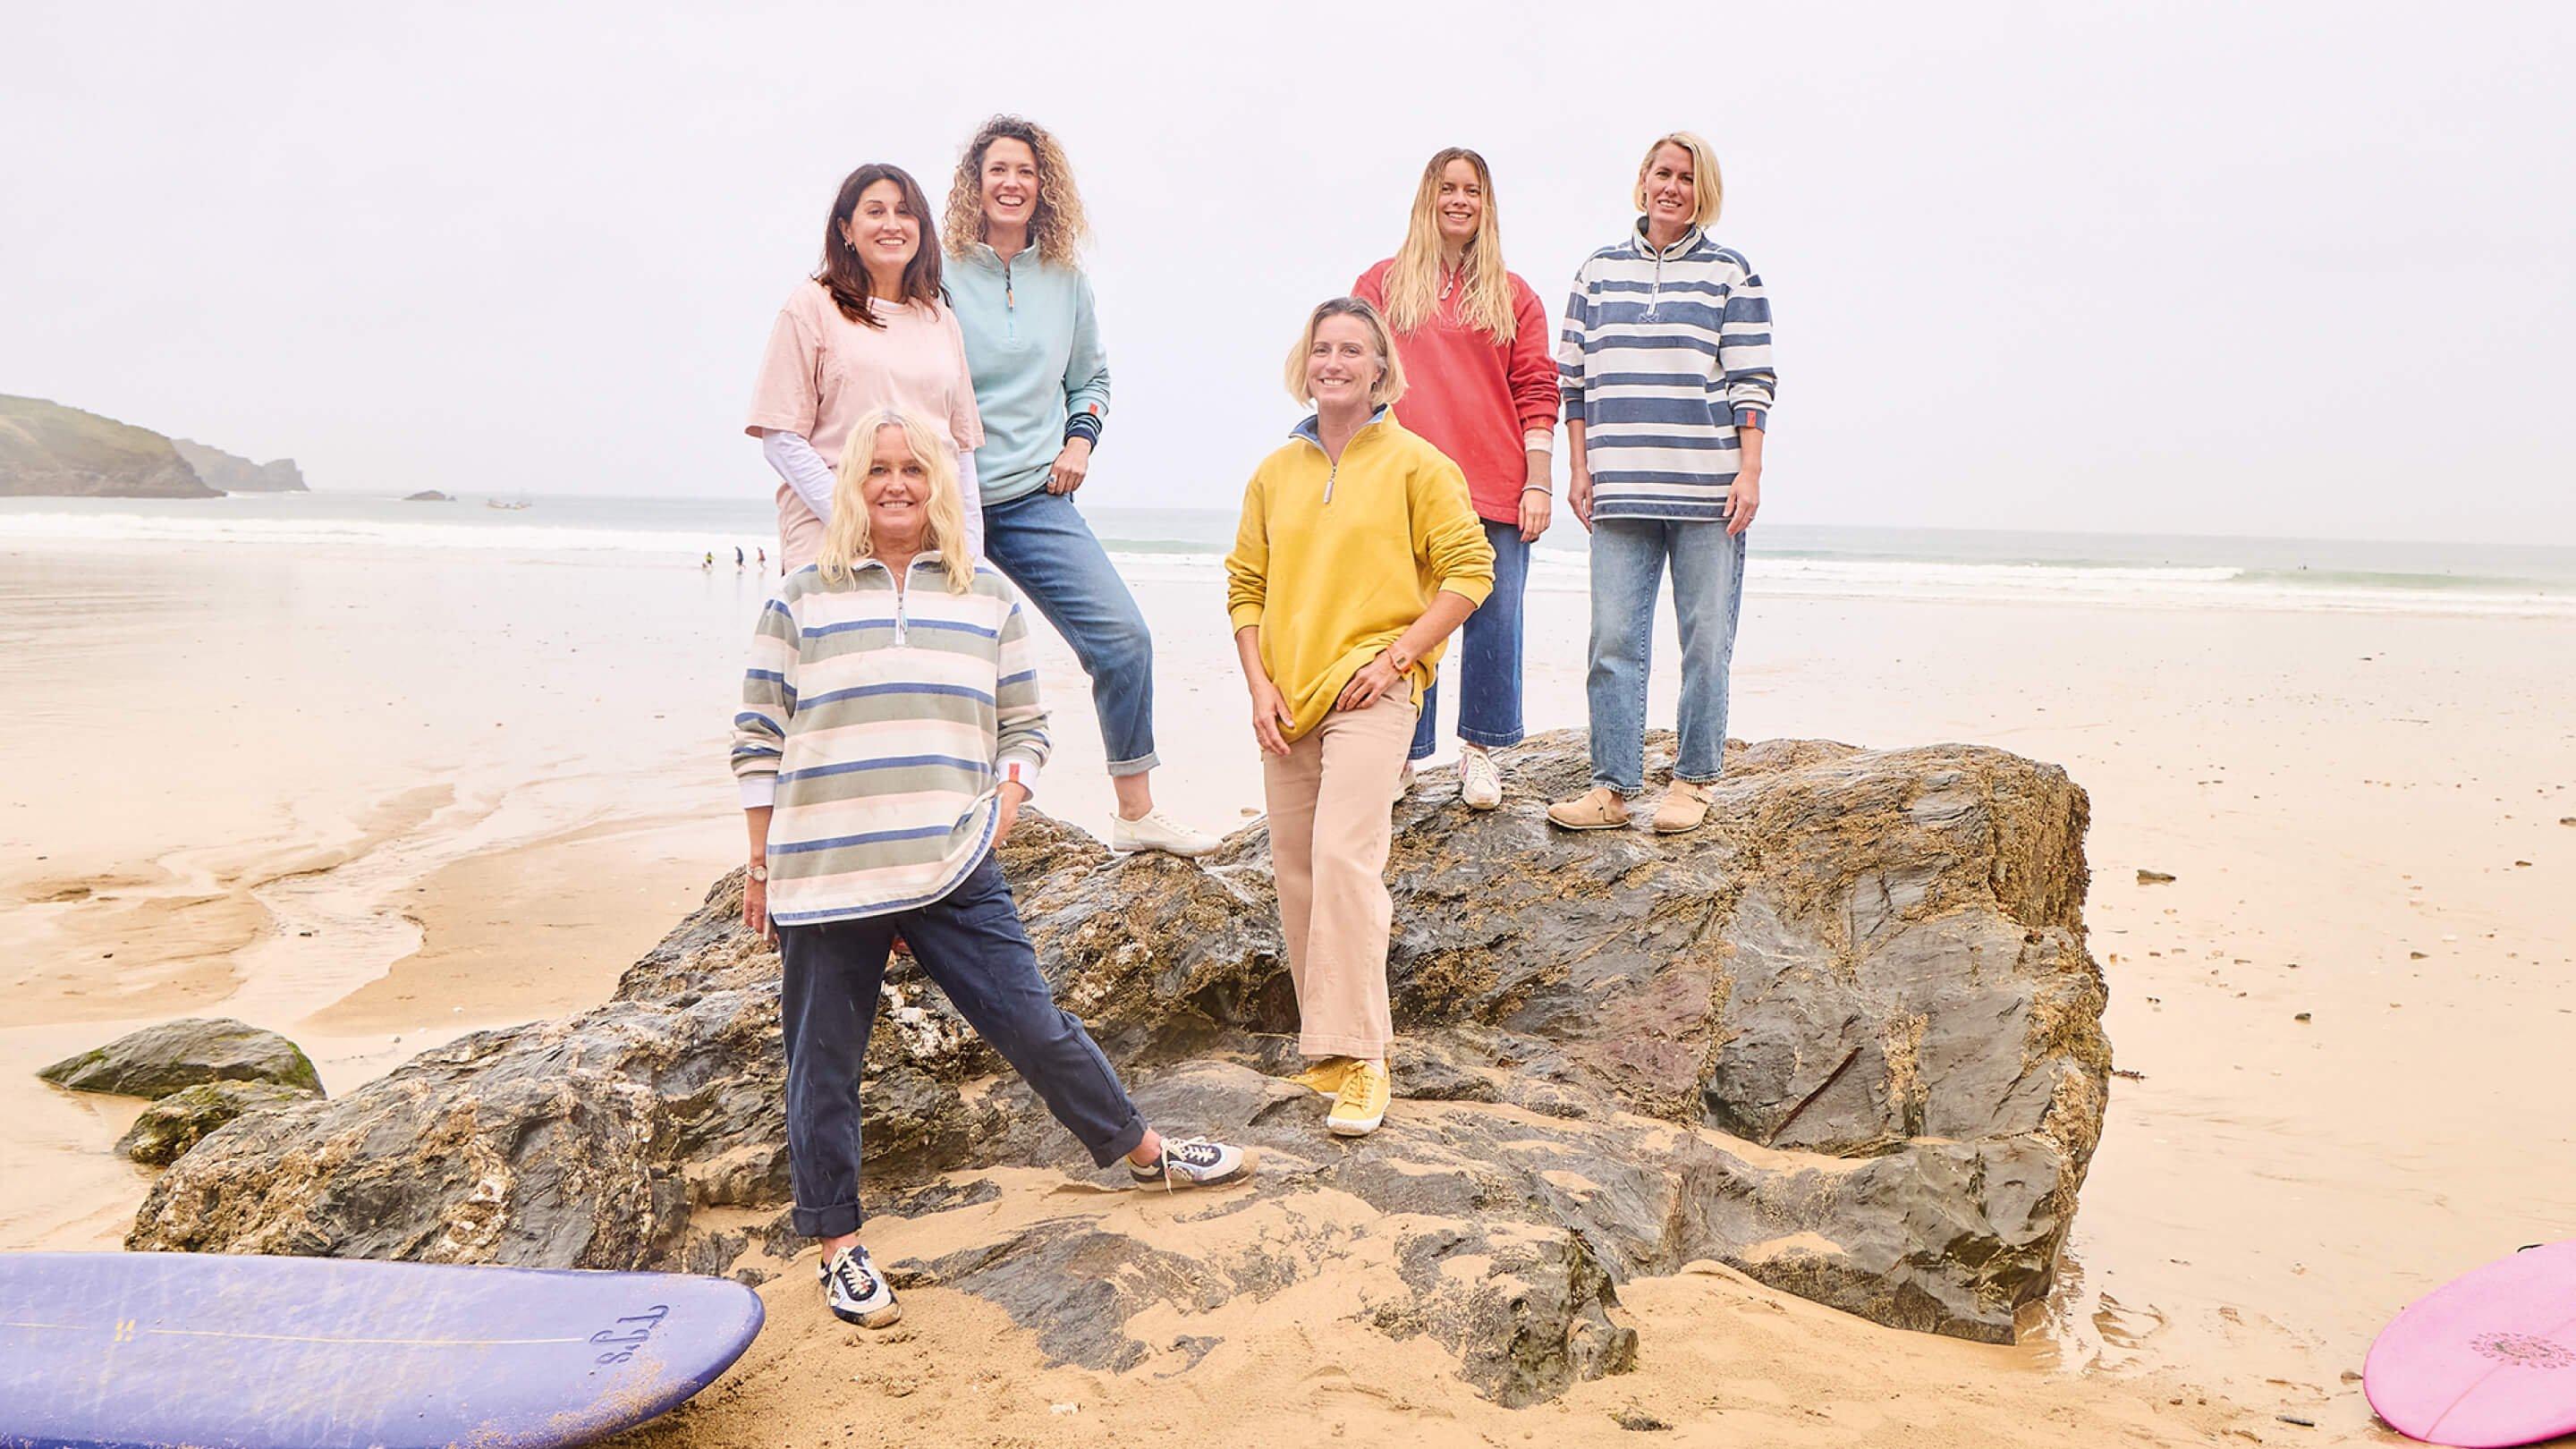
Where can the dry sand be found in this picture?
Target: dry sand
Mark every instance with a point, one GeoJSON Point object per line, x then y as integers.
{"type": "Point", "coordinates": [2342, 798]}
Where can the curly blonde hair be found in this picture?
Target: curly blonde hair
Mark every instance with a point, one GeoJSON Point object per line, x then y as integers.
{"type": "Point", "coordinates": [1057, 226]}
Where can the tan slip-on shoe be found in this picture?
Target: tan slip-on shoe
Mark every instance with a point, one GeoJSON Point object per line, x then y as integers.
{"type": "Point", "coordinates": [1598, 808]}
{"type": "Point", "coordinates": [1685, 806]}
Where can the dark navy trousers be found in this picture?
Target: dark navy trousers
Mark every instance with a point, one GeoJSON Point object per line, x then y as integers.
{"type": "Point", "coordinates": [971, 944]}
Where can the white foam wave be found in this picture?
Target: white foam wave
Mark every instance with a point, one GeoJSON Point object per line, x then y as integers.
{"type": "Point", "coordinates": [493, 537]}
{"type": "Point", "coordinates": [1559, 571]}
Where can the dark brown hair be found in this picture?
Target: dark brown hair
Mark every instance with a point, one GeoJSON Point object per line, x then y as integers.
{"type": "Point", "coordinates": [846, 277]}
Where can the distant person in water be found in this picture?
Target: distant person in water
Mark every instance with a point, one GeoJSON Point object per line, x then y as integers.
{"type": "Point", "coordinates": [890, 732]}
{"type": "Point", "coordinates": [870, 329]}
{"type": "Point", "coordinates": [737, 556]}
{"type": "Point", "coordinates": [1665, 363]}
{"type": "Point", "coordinates": [1358, 554]}
{"type": "Point", "coordinates": [1474, 342]}
{"type": "Point", "coordinates": [1015, 224]}
{"type": "Point", "coordinates": [708, 564]}
{"type": "Point", "coordinates": [764, 560]}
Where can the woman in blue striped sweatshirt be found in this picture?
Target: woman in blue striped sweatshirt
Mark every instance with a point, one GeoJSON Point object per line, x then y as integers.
{"type": "Point", "coordinates": [1665, 366]}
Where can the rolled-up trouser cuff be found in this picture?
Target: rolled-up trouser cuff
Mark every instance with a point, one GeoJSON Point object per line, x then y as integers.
{"type": "Point", "coordinates": [1120, 1145]}
{"type": "Point", "coordinates": [838, 1220]}
{"type": "Point", "coordinates": [1119, 769]}
{"type": "Point", "coordinates": [1491, 739]}
{"type": "Point", "coordinates": [1624, 792]}
{"type": "Point", "coordinates": [1341, 1046]}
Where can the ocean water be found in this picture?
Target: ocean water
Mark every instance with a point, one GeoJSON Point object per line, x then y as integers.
{"type": "Point", "coordinates": [1183, 545]}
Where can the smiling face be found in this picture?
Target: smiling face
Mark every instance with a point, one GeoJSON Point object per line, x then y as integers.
{"type": "Point", "coordinates": [896, 491]}
{"type": "Point", "coordinates": [882, 230]}
{"type": "Point", "coordinates": [1009, 180]}
{"type": "Point", "coordinates": [1342, 366]}
{"type": "Point", "coordinates": [1671, 191]}
{"type": "Point", "coordinates": [1459, 208]}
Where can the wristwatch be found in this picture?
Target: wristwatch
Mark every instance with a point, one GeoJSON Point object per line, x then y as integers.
{"type": "Point", "coordinates": [1401, 661]}
{"type": "Point", "coordinates": [759, 872]}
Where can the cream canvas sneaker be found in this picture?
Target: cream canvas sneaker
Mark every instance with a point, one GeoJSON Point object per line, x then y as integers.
{"type": "Point", "coordinates": [1480, 780]}
{"type": "Point", "coordinates": [1598, 808]}
{"type": "Point", "coordinates": [1155, 830]}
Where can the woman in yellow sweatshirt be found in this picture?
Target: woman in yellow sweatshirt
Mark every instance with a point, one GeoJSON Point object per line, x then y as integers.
{"type": "Point", "coordinates": [1357, 557]}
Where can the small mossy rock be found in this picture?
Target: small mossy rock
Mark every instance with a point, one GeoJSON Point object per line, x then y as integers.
{"type": "Point", "coordinates": [159, 1060]}
{"type": "Point", "coordinates": [173, 1124]}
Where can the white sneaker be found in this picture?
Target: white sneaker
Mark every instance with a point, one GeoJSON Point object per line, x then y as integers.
{"type": "Point", "coordinates": [856, 1292]}
{"type": "Point", "coordinates": [1480, 780]}
{"type": "Point", "coordinates": [1155, 830]}
{"type": "Point", "coordinates": [1195, 1162]}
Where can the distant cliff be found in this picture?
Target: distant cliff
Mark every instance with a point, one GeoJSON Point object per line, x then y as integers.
{"type": "Point", "coordinates": [235, 474]}
{"type": "Point", "coordinates": [47, 449]}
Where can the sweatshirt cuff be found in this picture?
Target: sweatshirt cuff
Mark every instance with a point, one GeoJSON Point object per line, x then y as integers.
{"type": "Point", "coordinates": [1244, 616]}
{"type": "Point", "coordinates": [1084, 425]}
{"type": "Point", "coordinates": [759, 790]}
{"type": "Point", "coordinates": [1753, 418]}
{"type": "Point", "coordinates": [1020, 767]}
{"type": "Point", "coordinates": [1473, 590]}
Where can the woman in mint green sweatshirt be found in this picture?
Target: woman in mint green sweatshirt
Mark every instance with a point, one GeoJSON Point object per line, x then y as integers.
{"type": "Point", "coordinates": [1042, 389]}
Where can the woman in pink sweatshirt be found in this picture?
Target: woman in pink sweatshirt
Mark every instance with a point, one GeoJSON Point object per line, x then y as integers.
{"type": "Point", "coordinates": [1474, 339]}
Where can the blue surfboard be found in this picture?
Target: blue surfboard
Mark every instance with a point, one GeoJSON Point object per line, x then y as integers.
{"type": "Point", "coordinates": [129, 1350]}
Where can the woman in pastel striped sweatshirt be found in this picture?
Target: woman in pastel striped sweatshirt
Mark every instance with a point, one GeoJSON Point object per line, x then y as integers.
{"type": "Point", "coordinates": [889, 733]}
{"type": "Point", "coordinates": [1015, 223]}
{"type": "Point", "coordinates": [1665, 363]}
{"type": "Point", "coordinates": [1357, 557]}
{"type": "Point", "coordinates": [1473, 338]}
{"type": "Point", "coordinates": [870, 329]}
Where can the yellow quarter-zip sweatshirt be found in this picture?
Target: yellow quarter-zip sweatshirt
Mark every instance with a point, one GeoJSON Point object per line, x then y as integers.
{"type": "Point", "coordinates": [1335, 562]}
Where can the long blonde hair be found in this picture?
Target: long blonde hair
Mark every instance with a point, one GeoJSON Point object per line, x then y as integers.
{"type": "Point", "coordinates": [1484, 288]}
{"type": "Point", "coordinates": [1057, 226]}
{"type": "Point", "coordinates": [845, 539]}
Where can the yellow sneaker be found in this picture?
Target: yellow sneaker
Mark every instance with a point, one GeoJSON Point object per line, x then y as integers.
{"type": "Point", "coordinates": [1361, 1104]}
{"type": "Point", "coordinates": [1326, 1076]}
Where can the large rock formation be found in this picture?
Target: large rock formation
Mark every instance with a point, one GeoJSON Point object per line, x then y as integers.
{"type": "Point", "coordinates": [47, 449]}
{"type": "Point", "coordinates": [235, 474]}
{"type": "Point", "coordinates": [1845, 1038]}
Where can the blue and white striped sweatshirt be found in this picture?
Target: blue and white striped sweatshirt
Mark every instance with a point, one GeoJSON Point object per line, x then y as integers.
{"type": "Point", "coordinates": [1664, 355]}
{"type": "Point", "coordinates": [880, 723]}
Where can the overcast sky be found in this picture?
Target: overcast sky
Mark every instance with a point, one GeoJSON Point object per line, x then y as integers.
{"type": "Point", "coordinates": [2296, 269]}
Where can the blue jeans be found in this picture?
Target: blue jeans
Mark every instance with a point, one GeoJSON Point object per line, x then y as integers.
{"type": "Point", "coordinates": [970, 943]}
{"type": "Point", "coordinates": [1628, 557]}
{"type": "Point", "coordinates": [1041, 543]}
{"type": "Point", "coordinates": [1488, 655]}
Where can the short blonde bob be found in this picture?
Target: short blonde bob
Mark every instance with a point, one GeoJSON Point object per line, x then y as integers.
{"type": "Point", "coordinates": [1390, 368]}
{"type": "Point", "coordinates": [846, 543]}
{"type": "Point", "coordinates": [1710, 188]}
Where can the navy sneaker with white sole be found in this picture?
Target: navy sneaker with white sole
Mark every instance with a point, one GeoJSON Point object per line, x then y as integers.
{"type": "Point", "coordinates": [1194, 1162]}
{"type": "Point", "coordinates": [856, 1291]}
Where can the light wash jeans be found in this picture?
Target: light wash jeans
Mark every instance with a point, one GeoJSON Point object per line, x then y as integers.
{"type": "Point", "coordinates": [1041, 543]}
{"type": "Point", "coordinates": [1628, 556]}
{"type": "Point", "coordinates": [1488, 655]}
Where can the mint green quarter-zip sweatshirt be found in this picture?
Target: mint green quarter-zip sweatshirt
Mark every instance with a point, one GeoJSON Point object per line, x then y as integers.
{"type": "Point", "coordinates": [1041, 373]}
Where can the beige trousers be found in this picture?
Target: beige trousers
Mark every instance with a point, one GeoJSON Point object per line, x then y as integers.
{"type": "Point", "coordinates": [1331, 803]}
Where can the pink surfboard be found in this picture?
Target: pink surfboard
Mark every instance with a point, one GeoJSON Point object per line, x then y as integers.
{"type": "Point", "coordinates": [2486, 1360]}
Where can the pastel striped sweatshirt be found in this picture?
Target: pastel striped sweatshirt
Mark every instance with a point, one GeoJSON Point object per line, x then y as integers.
{"type": "Point", "coordinates": [1663, 356]}
{"type": "Point", "coordinates": [879, 724]}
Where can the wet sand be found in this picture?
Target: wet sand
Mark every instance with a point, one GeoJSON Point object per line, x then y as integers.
{"type": "Point", "coordinates": [2341, 798]}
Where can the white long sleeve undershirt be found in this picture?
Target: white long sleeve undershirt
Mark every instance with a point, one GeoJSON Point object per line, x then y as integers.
{"type": "Point", "coordinates": [803, 469]}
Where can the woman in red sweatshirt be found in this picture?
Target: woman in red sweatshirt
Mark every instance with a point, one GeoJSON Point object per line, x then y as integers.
{"type": "Point", "coordinates": [1474, 340]}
